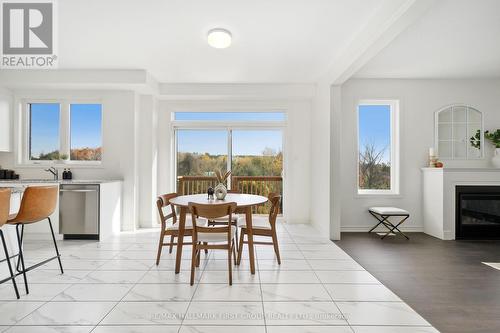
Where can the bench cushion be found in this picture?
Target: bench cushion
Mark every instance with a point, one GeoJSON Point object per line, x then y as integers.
{"type": "Point", "coordinates": [389, 211]}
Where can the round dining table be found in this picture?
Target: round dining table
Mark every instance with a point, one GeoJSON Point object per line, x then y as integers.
{"type": "Point", "coordinates": [244, 202]}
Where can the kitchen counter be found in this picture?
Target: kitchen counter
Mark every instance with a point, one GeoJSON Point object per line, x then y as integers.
{"type": "Point", "coordinates": [60, 181]}
{"type": "Point", "coordinates": [14, 190]}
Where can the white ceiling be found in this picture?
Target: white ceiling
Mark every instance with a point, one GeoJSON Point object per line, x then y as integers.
{"type": "Point", "coordinates": [454, 39]}
{"type": "Point", "coordinates": [274, 41]}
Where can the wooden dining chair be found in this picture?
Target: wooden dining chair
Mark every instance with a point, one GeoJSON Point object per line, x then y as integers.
{"type": "Point", "coordinates": [234, 219]}
{"type": "Point", "coordinates": [5, 194]}
{"type": "Point", "coordinates": [262, 226]}
{"type": "Point", "coordinates": [38, 204]}
{"type": "Point", "coordinates": [213, 237]}
{"type": "Point", "coordinates": [172, 229]}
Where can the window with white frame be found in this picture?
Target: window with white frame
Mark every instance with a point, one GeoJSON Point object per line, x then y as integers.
{"type": "Point", "coordinates": [246, 143]}
{"type": "Point", "coordinates": [249, 144]}
{"type": "Point", "coordinates": [61, 131]}
{"type": "Point", "coordinates": [378, 151]}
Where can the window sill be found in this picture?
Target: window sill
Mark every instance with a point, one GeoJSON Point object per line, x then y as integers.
{"type": "Point", "coordinates": [378, 194]}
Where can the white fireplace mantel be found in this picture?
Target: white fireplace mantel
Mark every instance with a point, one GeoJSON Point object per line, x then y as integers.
{"type": "Point", "coordinates": [438, 202]}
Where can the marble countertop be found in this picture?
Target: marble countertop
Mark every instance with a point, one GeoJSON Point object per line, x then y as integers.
{"type": "Point", "coordinates": [60, 181]}
{"type": "Point", "coordinates": [14, 189]}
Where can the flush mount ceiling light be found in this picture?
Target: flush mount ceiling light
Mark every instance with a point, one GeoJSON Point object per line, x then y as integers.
{"type": "Point", "coordinates": [219, 38]}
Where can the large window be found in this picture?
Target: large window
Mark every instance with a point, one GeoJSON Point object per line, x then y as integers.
{"type": "Point", "coordinates": [85, 132]}
{"type": "Point", "coordinates": [201, 152]}
{"type": "Point", "coordinates": [44, 138]}
{"type": "Point", "coordinates": [249, 144]}
{"type": "Point", "coordinates": [69, 132]}
{"type": "Point", "coordinates": [378, 147]}
{"type": "Point", "coordinates": [257, 152]}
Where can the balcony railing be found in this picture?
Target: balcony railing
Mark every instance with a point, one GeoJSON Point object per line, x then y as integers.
{"type": "Point", "coordinates": [260, 185]}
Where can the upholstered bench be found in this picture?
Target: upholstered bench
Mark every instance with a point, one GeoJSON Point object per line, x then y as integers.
{"type": "Point", "coordinates": [383, 215]}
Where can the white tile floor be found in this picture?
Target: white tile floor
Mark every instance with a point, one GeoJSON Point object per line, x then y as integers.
{"type": "Point", "coordinates": [114, 286]}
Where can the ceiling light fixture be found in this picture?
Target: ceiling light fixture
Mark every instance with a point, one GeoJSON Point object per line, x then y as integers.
{"type": "Point", "coordinates": [219, 38]}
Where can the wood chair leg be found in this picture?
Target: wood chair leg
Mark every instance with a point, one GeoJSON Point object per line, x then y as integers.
{"type": "Point", "coordinates": [206, 250]}
{"type": "Point", "coordinates": [236, 236]}
{"type": "Point", "coordinates": [193, 263]}
{"type": "Point", "coordinates": [276, 247]}
{"type": "Point", "coordinates": [234, 252]}
{"type": "Point", "coordinates": [198, 256]}
{"type": "Point", "coordinates": [160, 247]}
{"type": "Point", "coordinates": [171, 246]}
{"type": "Point", "coordinates": [229, 264]}
{"type": "Point", "coordinates": [240, 248]}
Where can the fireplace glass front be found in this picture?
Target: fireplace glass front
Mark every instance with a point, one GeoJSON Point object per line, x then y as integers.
{"type": "Point", "coordinates": [477, 212]}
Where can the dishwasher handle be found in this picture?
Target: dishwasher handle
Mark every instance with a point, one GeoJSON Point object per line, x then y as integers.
{"type": "Point", "coordinates": [62, 190]}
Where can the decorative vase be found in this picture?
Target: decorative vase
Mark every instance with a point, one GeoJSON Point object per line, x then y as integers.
{"type": "Point", "coordinates": [220, 191]}
{"type": "Point", "coordinates": [496, 158]}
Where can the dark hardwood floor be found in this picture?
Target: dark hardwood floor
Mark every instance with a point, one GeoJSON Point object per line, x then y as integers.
{"type": "Point", "coordinates": [444, 281]}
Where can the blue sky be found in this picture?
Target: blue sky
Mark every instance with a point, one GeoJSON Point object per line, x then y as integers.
{"type": "Point", "coordinates": [375, 127]}
{"type": "Point", "coordinates": [86, 124]}
{"type": "Point", "coordinates": [44, 128]}
{"type": "Point", "coordinates": [85, 127]}
{"type": "Point", "coordinates": [214, 142]}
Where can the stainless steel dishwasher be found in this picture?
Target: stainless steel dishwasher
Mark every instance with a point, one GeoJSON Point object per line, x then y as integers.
{"type": "Point", "coordinates": [79, 211]}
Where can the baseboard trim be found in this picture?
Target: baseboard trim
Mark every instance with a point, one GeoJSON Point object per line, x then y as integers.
{"type": "Point", "coordinates": [379, 229]}
{"type": "Point", "coordinates": [41, 236]}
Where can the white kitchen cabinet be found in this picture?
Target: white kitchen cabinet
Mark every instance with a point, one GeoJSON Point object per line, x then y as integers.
{"type": "Point", "coordinates": [5, 123]}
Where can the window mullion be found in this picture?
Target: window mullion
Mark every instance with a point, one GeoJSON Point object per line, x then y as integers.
{"type": "Point", "coordinates": [229, 154]}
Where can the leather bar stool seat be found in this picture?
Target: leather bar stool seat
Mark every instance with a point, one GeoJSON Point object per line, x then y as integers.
{"type": "Point", "coordinates": [38, 204]}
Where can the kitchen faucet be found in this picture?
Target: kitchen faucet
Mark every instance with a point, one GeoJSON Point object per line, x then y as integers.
{"type": "Point", "coordinates": [54, 172]}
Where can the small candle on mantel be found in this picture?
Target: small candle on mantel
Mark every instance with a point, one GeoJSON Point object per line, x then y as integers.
{"type": "Point", "coordinates": [431, 151]}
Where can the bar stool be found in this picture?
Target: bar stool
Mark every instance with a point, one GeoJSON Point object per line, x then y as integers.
{"type": "Point", "coordinates": [4, 216]}
{"type": "Point", "coordinates": [38, 203]}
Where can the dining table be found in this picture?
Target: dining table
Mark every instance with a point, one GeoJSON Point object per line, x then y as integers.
{"type": "Point", "coordinates": [244, 202]}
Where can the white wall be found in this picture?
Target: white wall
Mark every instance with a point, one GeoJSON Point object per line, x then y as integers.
{"type": "Point", "coordinates": [119, 136]}
{"type": "Point", "coordinates": [296, 147]}
{"type": "Point", "coordinates": [148, 160]}
{"type": "Point", "coordinates": [6, 100]}
{"type": "Point", "coordinates": [419, 99]}
{"type": "Point", "coordinates": [320, 159]}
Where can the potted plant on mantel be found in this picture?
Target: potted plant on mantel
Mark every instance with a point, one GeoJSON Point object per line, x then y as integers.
{"type": "Point", "coordinates": [494, 138]}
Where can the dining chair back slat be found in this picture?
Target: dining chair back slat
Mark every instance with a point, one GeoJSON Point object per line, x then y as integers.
{"type": "Point", "coordinates": [162, 202]}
